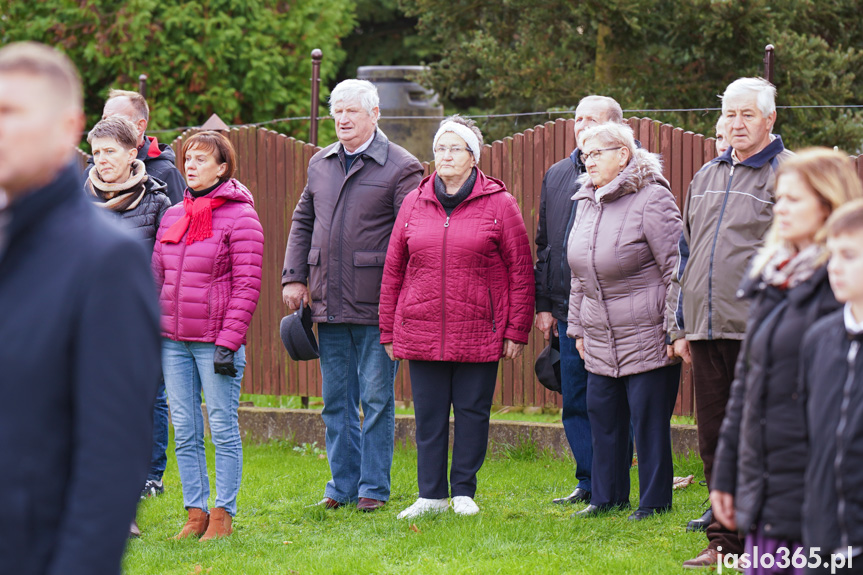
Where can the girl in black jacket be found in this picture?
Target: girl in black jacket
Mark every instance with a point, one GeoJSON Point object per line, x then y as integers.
{"type": "Point", "coordinates": [760, 461]}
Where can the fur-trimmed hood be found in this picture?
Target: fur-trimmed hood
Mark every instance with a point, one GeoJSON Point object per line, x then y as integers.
{"type": "Point", "coordinates": [643, 169]}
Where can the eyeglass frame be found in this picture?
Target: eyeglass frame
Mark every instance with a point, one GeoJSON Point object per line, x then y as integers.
{"type": "Point", "coordinates": [595, 154]}
{"type": "Point", "coordinates": [449, 149]}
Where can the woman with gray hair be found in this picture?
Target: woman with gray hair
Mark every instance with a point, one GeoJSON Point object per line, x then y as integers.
{"type": "Point", "coordinates": [119, 183]}
{"type": "Point", "coordinates": [457, 296]}
{"type": "Point", "coordinates": [622, 251]}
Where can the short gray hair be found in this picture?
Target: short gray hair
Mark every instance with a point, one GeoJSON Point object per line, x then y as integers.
{"type": "Point", "coordinates": [361, 91]}
{"type": "Point", "coordinates": [610, 134]}
{"type": "Point", "coordinates": [613, 111]}
{"type": "Point", "coordinates": [466, 122]}
{"type": "Point", "coordinates": [139, 102]}
{"type": "Point", "coordinates": [118, 129]}
{"type": "Point", "coordinates": [763, 91]}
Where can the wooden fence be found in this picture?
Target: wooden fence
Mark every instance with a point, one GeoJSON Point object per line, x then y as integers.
{"type": "Point", "coordinates": [274, 167]}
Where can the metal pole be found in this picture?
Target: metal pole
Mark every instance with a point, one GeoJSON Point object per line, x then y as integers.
{"type": "Point", "coordinates": [142, 85]}
{"type": "Point", "coordinates": [317, 55]}
{"type": "Point", "coordinates": [768, 63]}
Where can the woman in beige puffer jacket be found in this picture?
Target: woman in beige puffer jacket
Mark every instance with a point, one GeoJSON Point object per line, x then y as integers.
{"type": "Point", "coordinates": [622, 252]}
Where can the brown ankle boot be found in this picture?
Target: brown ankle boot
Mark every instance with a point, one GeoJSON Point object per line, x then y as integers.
{"type": "Point", "coordinates": [220, 525]}
{"type": "Point", "coordinates": [195, 525]}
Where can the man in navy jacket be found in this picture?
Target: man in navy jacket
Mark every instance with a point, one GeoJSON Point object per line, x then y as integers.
{"type": "Point", "coordinates": [79, 344]}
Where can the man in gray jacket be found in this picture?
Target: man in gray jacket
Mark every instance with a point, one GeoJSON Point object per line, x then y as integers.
{"type": "Point", "coordinates": [338, 241]}
{"type": "Point", "coordinates": [728, 210]}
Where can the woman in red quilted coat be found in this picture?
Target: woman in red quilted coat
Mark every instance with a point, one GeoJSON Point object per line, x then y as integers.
{"type": "Point", "coordinates": [207, 265]}
{"type": "Point", "coordinates": [457, 295]}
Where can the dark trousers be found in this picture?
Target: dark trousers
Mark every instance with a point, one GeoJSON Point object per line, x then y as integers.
{"type": "Point", "coordinates": [713, 364]}
{"type": "Point", "coordinates": [647, 399]}
{"type": "Point", "coordinates": [576, 424]}
{"type": "Point", "coordinates": [469, 389]}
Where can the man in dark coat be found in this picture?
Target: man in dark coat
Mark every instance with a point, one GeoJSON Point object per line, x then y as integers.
{"type": "Point", "coordinates": [334, 262]}
{"type": "Point", "coordinates": [159, 159]}
{"type": "Point", "coordinates": [552, 276]}
{"type": "Point", "coordinates": [80, 338]}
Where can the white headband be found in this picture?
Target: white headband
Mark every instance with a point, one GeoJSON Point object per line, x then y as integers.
{"type": "Point", "coordinates": [464, 132]}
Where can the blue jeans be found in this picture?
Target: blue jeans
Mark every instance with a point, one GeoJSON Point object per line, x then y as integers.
{"type": "Point", "coordinates": [576, 424]}
{"type": "Point", "coordinates": [159, 458]}
{"type": "Point", "coordinates": [355, 368]}
{"type": "Point", "coordinates": [188, 369]}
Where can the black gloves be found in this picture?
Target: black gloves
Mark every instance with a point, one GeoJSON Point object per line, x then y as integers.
{"type": "Point", "coordinates": [223, 361]}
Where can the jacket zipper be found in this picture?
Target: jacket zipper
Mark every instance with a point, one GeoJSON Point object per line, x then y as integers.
{"type": "Point", "coordinates": [491, 304]}
{"type": "Point", "coordinates": [840, 444]}
{"type": "Point", "coordinates": [443, 289]}
{"type": "Point", "coordinates": [177, 290]}
{"type": "Point", "coordinates": [712, 254]}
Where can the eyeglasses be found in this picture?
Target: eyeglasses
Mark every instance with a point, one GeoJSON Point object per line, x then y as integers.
{"type": "Point", "coordinates": [594, 155]}
{"type": "Point", "coordinates": [454, 150]}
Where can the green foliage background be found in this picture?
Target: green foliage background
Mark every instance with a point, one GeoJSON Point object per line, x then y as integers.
{"type": "Point", "coordinates": [246, 60]}
{"type": "Point", "coordinates": [523, 55]}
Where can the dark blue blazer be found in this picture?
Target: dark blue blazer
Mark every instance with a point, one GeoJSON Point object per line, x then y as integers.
{"type": "Point", "coordinates": [79, 367]}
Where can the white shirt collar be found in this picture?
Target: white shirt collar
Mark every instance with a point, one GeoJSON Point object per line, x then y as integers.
{"type": "Point", "coordinates": [362, 148]}
{"type": "Point", "coordinates": [852, 326]}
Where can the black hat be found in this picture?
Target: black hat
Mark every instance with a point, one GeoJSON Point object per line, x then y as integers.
{"type": "Point", "coordinates": [547, 366]}
{"type": "Point", "coordinates": [297, 335]}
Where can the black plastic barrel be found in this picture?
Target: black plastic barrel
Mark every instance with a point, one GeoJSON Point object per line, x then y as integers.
{"type": "Point", "coordinates": [410, 113]}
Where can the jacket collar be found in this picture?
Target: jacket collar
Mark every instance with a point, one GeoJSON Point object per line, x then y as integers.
{"type": "Point", "coordinates": [766, 155]}
{"type": "Point", "coordinates": [751, 286]}
{"type": "Point", "coordinates": [484, 186]}
{"type": "Point", "coordinates": [35, 205]}
{"type": "Point", "coordinates": [377, 150]}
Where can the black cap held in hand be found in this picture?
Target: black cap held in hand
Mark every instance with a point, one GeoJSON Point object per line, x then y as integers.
{"type": "Point", "coordinates": [547, 366]}
{"type": "Point", "coordinates": [297, 335]}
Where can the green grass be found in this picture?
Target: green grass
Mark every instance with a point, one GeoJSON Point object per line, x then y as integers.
{"type": "Point", "coordinates": [517, 531]}
{"type": "Point", "coordinates": [502, 413]}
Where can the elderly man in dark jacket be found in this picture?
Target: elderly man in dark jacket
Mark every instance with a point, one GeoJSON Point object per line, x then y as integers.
{"type": "Point", "coordinates": [80, 351]}
{"type": "Point", "coordinates": [338, 241]}
{"type": "Point", "coordinates": [552, 276]}
{"type": "Point", "coordinates": [159, 159]}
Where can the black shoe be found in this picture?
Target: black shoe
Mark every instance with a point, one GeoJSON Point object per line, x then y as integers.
{"type": "Point", "coordinates": [594, 510]}
{"type": "Point", "coordinates": [577, 496]}
{"type": "Point", "coordinates": [702, 522]}
{"type": "Point", "coordinates": [152, 488]}
{"type": "Point", "coordinates": [640, 514]}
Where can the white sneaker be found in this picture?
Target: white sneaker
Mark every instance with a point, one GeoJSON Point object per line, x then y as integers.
{"type": "Point", "coordinates": [422, 505]}
{"type": "Point", "coordinates": [464, 505]}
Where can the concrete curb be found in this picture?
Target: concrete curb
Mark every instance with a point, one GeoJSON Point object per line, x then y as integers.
{"type": "Point", "coordinates": [261, 424]}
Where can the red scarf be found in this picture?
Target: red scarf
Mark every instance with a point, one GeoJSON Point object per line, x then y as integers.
{"type": "Point", "coordinates": [198, 219]}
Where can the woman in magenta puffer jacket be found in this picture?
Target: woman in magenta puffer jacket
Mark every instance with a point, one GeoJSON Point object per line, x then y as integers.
{"type": "Point", "coordinates": [457, 295]}
{"type": "Point", "coordinates": [207, 265]}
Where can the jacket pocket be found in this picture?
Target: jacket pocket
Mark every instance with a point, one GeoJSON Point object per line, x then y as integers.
{"type": "Point", "coordinates": [491, 305]}
{"type": "Point", "coordinates": [315, 274]}
{"type": "Point", "coordinates": [368, 272]}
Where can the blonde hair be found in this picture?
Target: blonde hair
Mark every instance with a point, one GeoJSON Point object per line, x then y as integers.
{"type": "Point", "coordinates": [832, 177]}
